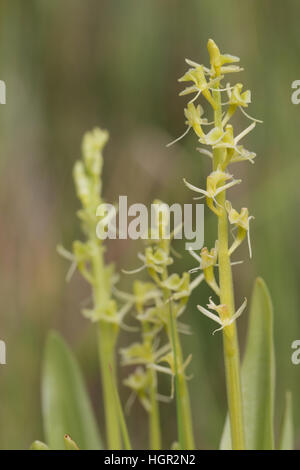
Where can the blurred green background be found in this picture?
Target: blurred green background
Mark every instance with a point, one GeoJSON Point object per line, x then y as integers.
{"type": "Point", "coordinates": [70, 65]}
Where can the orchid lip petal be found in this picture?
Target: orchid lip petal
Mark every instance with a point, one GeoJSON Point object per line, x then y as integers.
{"type": "Point", "coordinates": [244, 132]}
{"type": "Point", "coordinates": [218, 329]}
{"type": "Point", "coordinates": [197, 257]}
{"type": "Point", "coordinates": [192, 63]}
{"type": "Point", "coordinates": [195, 97]}
{"type": "Point", "coordinates": [205, 152]}
{"type": "Point", "coordinates": [194, 270]}
{"type": "Point", "coordinates": [71, 271]}
{"type": "Point", "coordinates": [249, 241]}
{"type": "Point", "coordinates": [209, 314]}
{"type": "Point", "coordinates": [250, 117]}
{"type": "Point", "coordinates": [179, 138]}
{"type": "Point", "coordinates": [227, 186]}
{"type": "Point", "coordinates": [196, 281]}
{"type": "Point", "coordinates": [134, 271]}
{"type": "Point", "coordinates": [194, 188]}
{"type": "Point", "coordinates": [239, 312]}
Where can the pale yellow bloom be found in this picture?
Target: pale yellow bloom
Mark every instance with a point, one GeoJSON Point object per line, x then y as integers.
{"type": "Point", "coordinates": [223, 317]}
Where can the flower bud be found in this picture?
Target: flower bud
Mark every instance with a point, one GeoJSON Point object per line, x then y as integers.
{"type": "Point", "coordinates": [82, 183]}
{"type": "Point", "coordinates": [92, 145]}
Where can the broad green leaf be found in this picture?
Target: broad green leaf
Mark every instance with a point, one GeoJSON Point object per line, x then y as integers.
{"type": "Point", "coordinates": [257, 375]}
{"type": "Point", "coordinates": [286, 440]}
{"type": "Point", "coordinates": [66, 405]}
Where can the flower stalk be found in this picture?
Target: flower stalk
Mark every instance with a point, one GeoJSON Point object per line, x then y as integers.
{"type": "Point", "coordinates": [225, 149]}
{"type": "Point", "coordinates": [230, 339]}
{"type": "Point", "coordinates": [159, 304]}
{"type": "Point", "coordinates": [154, 419]}
{"type": "Point", "coordinates": [184, 415]}
{"type": "Point", "coordinates": [88, 257]}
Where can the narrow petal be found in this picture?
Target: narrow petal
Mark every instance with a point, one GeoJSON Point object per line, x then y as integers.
{"type": "Point", "coordinates": [218, 329]}
{"type": "Point", "coordinates": [205, 152]}
{"type": "Point", "coordinates": [134, 271]}
{"type": "Point", "coordinates": [179, 138]}
{"type": "Point", "coordinates": [194, 188]}
{"type": "Point", "coordinates": [248, 238]}
{"type": "Point", "coordinates": [195, 283]}
{"type": "Point", "coordinates": [239, 312]}
{"type": "Point", "coordinates": [197, 257]}
{"type": "Point", "coordinates": [209, 314]}
{"type": "Point", "coordinates": [250, 117]}
{"type": "Point", "coordinates": [227, 186]}
{"type": "Point", "coordinates": [245, 132]}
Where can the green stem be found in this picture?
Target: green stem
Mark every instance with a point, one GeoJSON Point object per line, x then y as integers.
{"type": "Point", "coordinates": [184, 398]}
{"type": "Point", "coordinates": [184, 415]}
{"type": "Point", "coordinates": [107, 335]}
{"type": "Point", "coordinates": [106, 343]}
{"type": "Point", "coordinates": [230, 339]}
{"type": "Point", "coordinates": [180, 412]}
{"type": "Point", "coordinates": [121, 416]}
{"type": "Point", "coordinates": [154, 421]}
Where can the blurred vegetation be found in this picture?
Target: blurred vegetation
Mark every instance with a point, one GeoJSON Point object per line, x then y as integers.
{"type": "Point", "coordinates": [73, 64]}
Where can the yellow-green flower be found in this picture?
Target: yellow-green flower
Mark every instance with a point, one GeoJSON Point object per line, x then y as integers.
{"type": "Point", "coordinates": [223, 318]}
{"type": "Point", "coordinates": [215, 184]}
{"type": "Point", "coordinates": [201, 85]}
{"type": "Point", "coordinates": [241, 222]}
